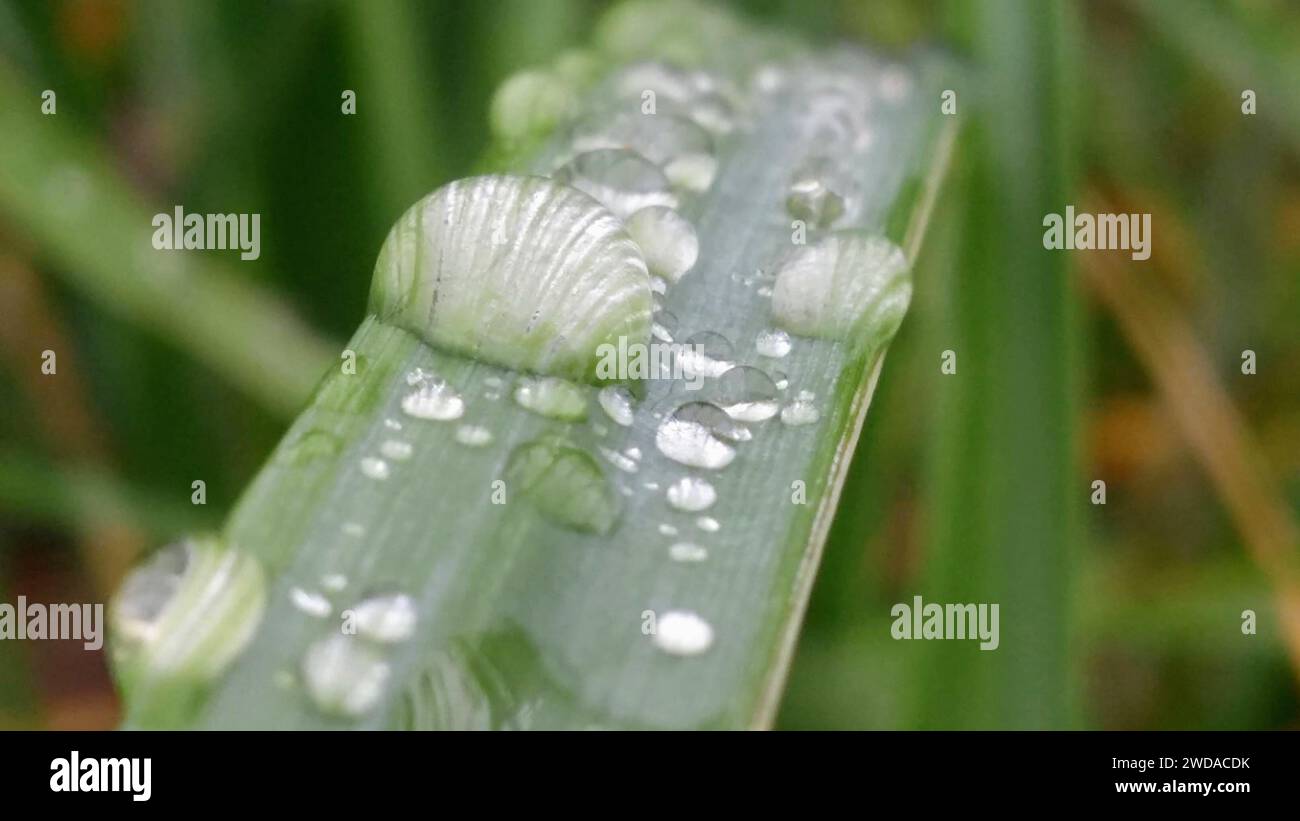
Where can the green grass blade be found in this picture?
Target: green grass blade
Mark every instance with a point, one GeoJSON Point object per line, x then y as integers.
{"type": "Point", "coordinates": [523, 623]}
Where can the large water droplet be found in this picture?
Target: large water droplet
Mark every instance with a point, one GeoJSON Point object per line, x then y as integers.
{"type": "Point", "coordinates": [747, 394]}
{"type": "Point", "coordinates": [552, 397]}
{"type": "Point", "coordinates": [773, 343]}
{"type": "Point", "coordinates": [666, 239]}
{"type": "Point", "coordinates": [616, 400]}
{"type": "Point", "coordinates": [692, 494]}
{"type": "Point", "coordinates": [386, 617]}
{"type": "Point", "coordinates": [344, 676]}
{"type": "Point", "coordinates": [706, 354]}
{"type": "Point", "coordinates": [683, 633]}
{"type": "Point", "coordinates": [563, 483]}
{"type": "Point", "coordinates": [691, 436]}
{"type": "Point", "coordinates": [621, 180]}
{"type": "Point", "coordinates": [847, 286]}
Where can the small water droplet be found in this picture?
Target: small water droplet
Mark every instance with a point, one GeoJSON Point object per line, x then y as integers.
{"type": "Point", "coordinates": [387, 617]}
{"type": "Point", "coordinates": [434, 399]}
{"type": "Point", "coordinates": [817, 193]}
{"type": "Point", "coordinates": [800, 412]}
{"type": "Point", "coordinates": [392, 424]}
{"type": "Point", "coordinates": [374, 468]}
{"type": "Point", "coordinates": [473, 435]}
{"type": "Point", "coordinates": [692, 494]}
{"type": "Point", "coordinates": [773, 343]}
{"type": "Point", "coordinates": [780, 380]}
{"type": "Point", "coordinates": [707, 524]}
{"type": "Point", "coordinates": [687, 552]}
{"type": "Point", "coordinates": [616, 401]}
{"type": "Point", "coordinates": [747, 394]}
{"type": "Point", "coordinates": [667, 530]}
{"type": "Point", "coordinates": [310, 602]}
{"type": "Point", "coordinates": [150, 588]}
{"type": "Point", "coordinates": [677, 144]}
{"type": "Point", "coordinates": [344, 676]}
{"type": "Point", "coordinates": [651, 485]}
{"type": "Point", "coordinates": [396, 449]}
{"type": "Point", "coordinates": [334, 582]}
{"type": "Point", "coordinates": [621, 180]}
{"type": "Point", "coordinates": [618, 460]}
{"type": "Point", "coordinates": [683, 633]}
{"type": "Point", "coordinates": [552, 397]}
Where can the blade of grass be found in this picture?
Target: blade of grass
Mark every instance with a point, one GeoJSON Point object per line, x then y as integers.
{"type": "Point", "coordinates": [1002, 488]}
{"type": "Point", "coordinates": [523, 623]}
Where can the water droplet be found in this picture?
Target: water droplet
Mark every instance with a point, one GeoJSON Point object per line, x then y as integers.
{"type": "Point", "coordinates": [707, 524]}
{"type": "Point", "coordinates": [680, 146]}
{"type": "Point", "coordinates": [618, 460]}
{"type": "Point", "coordinates": [519, 271]}
{"type": "Point", "coordinates": [374, 468]}
{"type": "Point", "coordinates": [773, 343]}
{"type": "Point", "coordinates": [780, 380]}
{"type": "Point", "coordinates": [387, 618]}
{"type": "Point", "coordinates": [683, 633]}
{"type": "Point", "coordinates": [747, 394]}
{"type": "Point", "coordinates": [616, 400]}
{"type": "Point", "coordinates": [667, 240]}
{"type": "Point", "coordinates": [396, 449]}
{"type": "Point", "coordinates": [817, 193]}
{"type": "Point", "coordinates": [563, 483]}
{"type": "Point", "coordinates": [392, 424]}
{"type": "Point", "coordinates": [473, 435]}
{"type": "Point", "coordinates": [344, 676]}
{"type": "Point", "coordinates": [667, 530]}
{"type": "Point", "coordinates": [846, 286]}
{"type": "Point", "coordinates": [433, 399]}
{"type": "Point", "coordinates": [800, 412]}
{"type": "Point", "coordinates": [687, 552]}
{"type": "Point", "coordinates": [185, 614]}
{"type": "Point", "coordinates": [552, 397]}
{"type": "Point", "coordinates": [706, 354]}
{"type": "Point", "coordinates": [664, 326]}
{"type": "Point", "coordinates": [310, 602]}
{"type": "Point", "coordinates": [692, 494]}
{"type": "Point", "coordinates": [334, 582]}
{"type": "Point", "coordinates": [621, 180]}
{"type": "Point", "coordinates": [714, 113]}
{"type": "Point", "coordinates": [691, 436]}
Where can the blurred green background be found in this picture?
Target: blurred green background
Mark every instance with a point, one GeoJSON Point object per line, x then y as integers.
{"type": "Point", "coordinates": [1131, 610]}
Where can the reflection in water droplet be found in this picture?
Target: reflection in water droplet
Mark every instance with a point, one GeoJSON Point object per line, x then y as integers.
{"type": "Point", "coordinates": [387, 618]}
{"type": "Point", "coordinates": [780, 380]}
{"type": "Point", "coordinates": [396, 449]}
{"type": "Point", "coordinates": [374, 468]}
{"type": "Point", "coordinates": [706, 354]}
{"type": "Point", "coordinates": [692, 494]}
{"type": "Point", "coordinates": [690, 436]}
{"type": "Point", "coordinates": [687, 552]}
{"type": "Point", "coordinates": [563, 483]}
{"type": "Point", "coordinates": [616, 401]}
{"type": "Point", "coordinates": [747, 394]}
{"type": "Point", "coordinates": [621, 180]}
{"type": "Point", "coordinates": [667, 240]}
{"type": "Point", "coordinates": [310, 602]}
{"type": "Point", "coordinates": [707, 524]}
{"type": "Point", "coordinates": [773, 342]}
{"type": "Point", "coordinates": [552, 397]}
{"type": "Point", "coordinates": [344, 676]}
{"type": "Point", "coordinates": [473, 435]}
{"type": "Point", "coordinates": [683, 633]}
